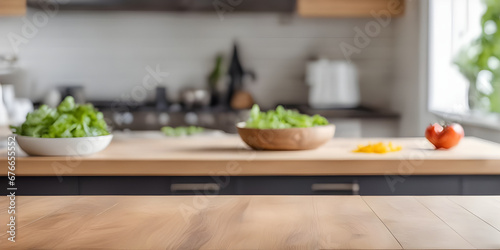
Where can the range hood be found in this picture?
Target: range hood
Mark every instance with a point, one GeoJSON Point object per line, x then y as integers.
{"type": "Point", "coordinates": [173, 5]}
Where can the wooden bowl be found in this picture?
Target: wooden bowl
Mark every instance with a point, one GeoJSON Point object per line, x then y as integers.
{"type": "Point", "coordinates": [287, 138]}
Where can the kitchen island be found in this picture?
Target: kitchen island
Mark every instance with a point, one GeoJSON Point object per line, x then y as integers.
{"type": "Point", "coordinates": [227, 166]}
{"type": "Point", "coordinates": [254, 222]}
{"type": "Point", "coordinates": [206, 155]}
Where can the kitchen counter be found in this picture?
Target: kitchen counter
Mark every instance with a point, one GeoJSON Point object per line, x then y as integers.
{"type": "Point", "coordinates": [352, 122]}
{"type": "Point", "coordinates": [254, 222]}
{"type": "Point", "coordinates": [359, 112]}
{"type": "Point", "coordinates": [157, 155]}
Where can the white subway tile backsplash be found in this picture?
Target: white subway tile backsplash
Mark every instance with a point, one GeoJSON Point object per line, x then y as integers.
{"type": "Point", "coordinates": [108, 52]}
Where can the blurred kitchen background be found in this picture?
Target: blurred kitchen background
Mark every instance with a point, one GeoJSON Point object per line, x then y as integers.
{"type": "Point", "coordinates": [367, 65]}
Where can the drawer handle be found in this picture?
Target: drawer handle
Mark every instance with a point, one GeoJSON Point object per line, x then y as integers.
{"type": "Point", "coordinates": [323, 187]}
{"type": "Point", "coordinates": [179, 187]}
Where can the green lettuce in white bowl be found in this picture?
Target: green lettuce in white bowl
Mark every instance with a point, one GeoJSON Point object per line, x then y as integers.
{"type": "Point", "coordinates": [69, 129]}
{"type": "Point", "coordinates": [66, 121]}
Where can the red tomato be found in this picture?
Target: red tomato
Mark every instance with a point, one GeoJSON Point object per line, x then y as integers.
{"type": "Point", "coordinates": [431, 133]}
{"type": "Point", "coordinates": [446, 137]}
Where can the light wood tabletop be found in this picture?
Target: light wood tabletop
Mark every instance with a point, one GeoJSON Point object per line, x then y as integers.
{"type": "Point", "coordinates": [254, 222]}
{"type": "Point", "coordinates": [207, 156]}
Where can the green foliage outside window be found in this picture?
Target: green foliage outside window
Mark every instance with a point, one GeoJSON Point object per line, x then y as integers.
{"type": "Point", "coordinates": [479, 62]}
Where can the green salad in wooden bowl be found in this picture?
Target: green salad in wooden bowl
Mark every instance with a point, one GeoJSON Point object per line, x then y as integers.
{"type": "Point", "coordinates": [283, 129]}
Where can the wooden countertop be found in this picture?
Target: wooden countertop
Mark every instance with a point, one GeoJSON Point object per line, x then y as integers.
{"type": "Point", "coordinates": [227, 155]}
{"type": "Point", "coordinates": [252, 222]}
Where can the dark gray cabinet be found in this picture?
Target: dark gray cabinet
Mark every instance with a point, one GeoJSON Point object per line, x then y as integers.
{"type": "Point", "coordinates": [258, 185]}
{"type": "Point", "coordinates": [481, 185]}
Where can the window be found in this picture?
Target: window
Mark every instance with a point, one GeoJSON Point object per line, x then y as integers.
{"type": "Point", "coordinates": [464, 62]}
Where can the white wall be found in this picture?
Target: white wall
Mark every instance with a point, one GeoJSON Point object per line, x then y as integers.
{"type": "Point", "coordinates": [410, 92]}
{"type": "Point", "coordinates": [108, 52]}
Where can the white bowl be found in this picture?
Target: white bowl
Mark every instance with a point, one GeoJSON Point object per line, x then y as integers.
{"type": "Point", "coordinates": [78, 146]}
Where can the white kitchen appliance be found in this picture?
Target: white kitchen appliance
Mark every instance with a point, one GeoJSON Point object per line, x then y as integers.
{"type": "Point", "coordinates": [333, 84]}
{"type": "Point", "coordinates": [13, 79]}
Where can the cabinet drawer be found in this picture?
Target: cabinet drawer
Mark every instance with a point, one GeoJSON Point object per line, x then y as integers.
{"type": "Point", "coordinates": [203, 185]}
{"type": "Point", "coordinates": [50, 185]}
{"type": "Point", "coordinates": [124, 185]}
{"type": "Point", "coordinates": [289, 185]}
{"type": "Point", "coordinates": [412, 185]}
